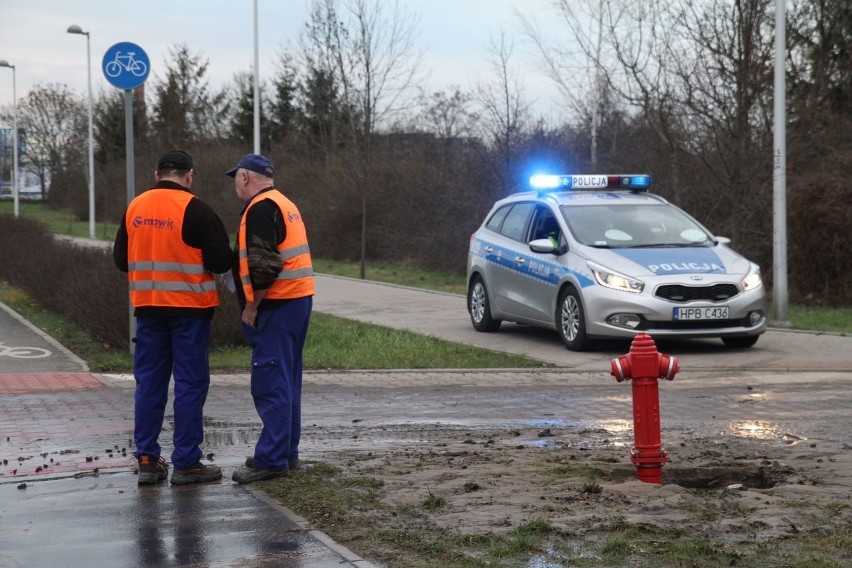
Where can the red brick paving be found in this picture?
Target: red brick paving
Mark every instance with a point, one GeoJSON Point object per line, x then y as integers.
{"type": "Point", "coordinates": [27, 383]}
{"type": "Point", "coordinates": [60, 423]}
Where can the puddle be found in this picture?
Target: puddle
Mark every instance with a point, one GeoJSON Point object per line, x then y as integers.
{"type": "Point", "coordinates": [756, 429]}
{"type": "Point", "coordinates": [221, 434]}
{"type": "Point", "coordinates": [546, 423]}
{"type": "Point", "coordinates": [221, 439]}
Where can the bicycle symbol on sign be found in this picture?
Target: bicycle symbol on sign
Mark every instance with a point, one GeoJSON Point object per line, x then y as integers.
{"type": "Point", "coordinates": [23, 352]}
{"type": "Point", "coordinates": [127, 63]}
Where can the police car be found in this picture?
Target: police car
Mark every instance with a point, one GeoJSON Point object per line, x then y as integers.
{"type": "Point", "coordinates": [598, 256]}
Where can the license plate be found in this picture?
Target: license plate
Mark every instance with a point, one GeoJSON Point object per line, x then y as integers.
{"type": "Point", "coordinates": [694, 314]}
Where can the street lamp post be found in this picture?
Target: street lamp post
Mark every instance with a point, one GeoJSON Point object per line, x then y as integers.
{"type": "Point", "coordinates": [15, 197]}
{"type": "Point", "coordinates": [77, 30]}
{"type": "Point", "coordinates": [256, 88]}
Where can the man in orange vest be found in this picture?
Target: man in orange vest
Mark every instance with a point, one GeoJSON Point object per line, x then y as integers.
{"type": "Point", "coordinates": [275, 287]}
{"type": "Point", "coordinates": [170, 244]}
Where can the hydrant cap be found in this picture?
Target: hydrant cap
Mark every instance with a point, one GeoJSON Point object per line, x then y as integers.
{"type": "Point", "coordinates": [668, 367]}
{"type": "Point", "coordinates": [619, 368]}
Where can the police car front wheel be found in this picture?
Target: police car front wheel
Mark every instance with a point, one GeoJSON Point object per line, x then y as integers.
{"type": "Point", "coordinates": [570, 320]}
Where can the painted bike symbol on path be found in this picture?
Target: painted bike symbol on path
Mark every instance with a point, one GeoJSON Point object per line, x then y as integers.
{"type": "Point", "coordinates": [23, 352]}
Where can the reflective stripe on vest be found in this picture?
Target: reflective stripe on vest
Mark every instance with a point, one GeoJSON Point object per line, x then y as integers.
{"type": "Point", "coordinates": [163, 271]}
{"type": "Point", "coordinates": [296, 277]}
{"type": "Point", "coordinates": [167, 267]}
{"type": "Point", "coordinates": [173, 286]}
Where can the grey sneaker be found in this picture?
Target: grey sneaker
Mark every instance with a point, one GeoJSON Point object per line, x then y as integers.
{"type": "Point", "coordinates": [252, 474]}
{"type": "Point", "coordinates": [198, 473]}
{"type": "Point", "coordinates": [152, 470]}
{"type": "Point", "coordinates": [292, 464]}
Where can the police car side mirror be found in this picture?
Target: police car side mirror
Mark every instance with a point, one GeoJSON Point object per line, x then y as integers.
{"type": "Point", "coordinates": [544, 246]}
{"type": "Point", "coordinates": [723, 241]}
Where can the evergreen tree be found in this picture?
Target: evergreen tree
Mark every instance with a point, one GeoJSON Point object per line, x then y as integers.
{"type": "Point", "coordinates": [184, 109]}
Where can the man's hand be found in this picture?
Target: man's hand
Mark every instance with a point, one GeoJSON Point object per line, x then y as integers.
{"type": "Point", "coordinates": [249, 316]}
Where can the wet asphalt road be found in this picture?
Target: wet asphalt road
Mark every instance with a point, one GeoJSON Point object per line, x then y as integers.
{"type": "Point", "coordinates": [54, 417]}
{"type": "Point", "coordinates": [108, 522]}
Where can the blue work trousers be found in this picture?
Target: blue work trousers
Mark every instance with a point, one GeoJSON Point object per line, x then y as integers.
{"type": "Point", "coordinates": [166, 346]}
{"type": "Point", "coordinates": [276, 379]}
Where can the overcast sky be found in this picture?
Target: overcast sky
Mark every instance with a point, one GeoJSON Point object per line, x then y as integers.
{"type": "Point", "coordinates": [453, 35]}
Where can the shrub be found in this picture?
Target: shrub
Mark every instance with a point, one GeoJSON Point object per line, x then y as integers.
{"type": "Point", "coordinates": [83, 284]}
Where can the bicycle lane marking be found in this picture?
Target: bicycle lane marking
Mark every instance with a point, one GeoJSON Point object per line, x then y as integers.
{"type": "Point", "coordinates": [28, 326]}
{"type": "Point", "coordinates": [21, 352]}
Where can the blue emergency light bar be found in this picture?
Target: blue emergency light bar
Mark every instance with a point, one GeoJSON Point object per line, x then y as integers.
{"type": "Point", "coordinates": [547, 182]}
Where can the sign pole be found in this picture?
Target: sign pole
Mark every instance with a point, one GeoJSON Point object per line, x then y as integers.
{"type": "Point", "coordinates": [129, 157]}
{"type": "Point", "coordinates": [126, 66]}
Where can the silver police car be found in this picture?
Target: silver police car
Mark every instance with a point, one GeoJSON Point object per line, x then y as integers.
{"type": "Point", "coordinates": [598, 256]}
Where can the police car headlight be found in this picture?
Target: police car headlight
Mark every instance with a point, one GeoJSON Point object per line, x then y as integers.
{"type": "Point", "coordinates": [616, 281]}
{"type": "Point", "coordinates": [752, 281]}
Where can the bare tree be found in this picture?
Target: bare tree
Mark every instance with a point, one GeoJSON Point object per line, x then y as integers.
{"type": "Point", "coordinates": [370, 49]}
{"type": "Point", "coordinates": [701, 76]}
{"type": "Point", "coordinates": [448, 114]}
{"type": "Point", "coordinates": [53, 119]}
{"type": "Point", "coordinates": [505, 109]}
{"type": "Point", "coordinates": [643, 45]}
{"type": "Point", "coordinates": [579, 66]}
{"type": "Point", "coordinates": [726, 79]}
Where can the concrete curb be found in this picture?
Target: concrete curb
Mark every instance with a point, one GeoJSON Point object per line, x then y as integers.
{"type": "Point", "coordinates": [304, 525]}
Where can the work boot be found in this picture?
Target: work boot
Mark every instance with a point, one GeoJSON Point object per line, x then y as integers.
{"type": "Point", "coordinates": [198, 473]}
{"type": "Point", "coordinates": [252, 474]}
{"type": "Point", "coordinates": [152, 470]}
{"type": "Point", "coordinates": [291, 465]}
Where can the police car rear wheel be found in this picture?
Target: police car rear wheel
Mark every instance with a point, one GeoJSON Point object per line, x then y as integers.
{"type": "Point", "coordinates": [570, 320]}
{"type": "Point", "coordinates": [740, 342]}
{"type": "Point", "coordinates": [479, 308]}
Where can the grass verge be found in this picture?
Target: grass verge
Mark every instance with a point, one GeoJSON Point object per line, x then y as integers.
{"type": "Point", "coordinates": [333, 343]}
{"type": "Point", "coordinates": [59, 221]}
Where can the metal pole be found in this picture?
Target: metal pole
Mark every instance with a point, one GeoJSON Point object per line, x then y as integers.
{"type": "Point", "coordinates": [779, 174]}
{"type": "Point", "coordinates": [131, 189]}
{"type": "Point", "coordinates": [15, 189]}
{"type": "Point", "coordinates": [4, 63]}
{"type": "Point", "coordinates": [256, 88]}
{"type": "Point", "coordinates": [91, 144]}
{"type": "Point", "coordinates": [75, 29]}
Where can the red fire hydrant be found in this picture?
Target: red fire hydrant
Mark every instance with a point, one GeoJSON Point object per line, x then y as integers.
{"type": "Point", "coordinates": [644, 365]}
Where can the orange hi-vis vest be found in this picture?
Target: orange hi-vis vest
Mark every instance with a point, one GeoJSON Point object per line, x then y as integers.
{"type": "Point", "coordinates": [162, 269]}
{"type": "Point", "coordinates": [296, 279]}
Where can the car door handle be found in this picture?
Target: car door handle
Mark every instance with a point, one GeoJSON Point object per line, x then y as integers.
{"type": "Point", "coordinates": [520, 260]}
{"type": "Point", "coordinates": [489, 250]}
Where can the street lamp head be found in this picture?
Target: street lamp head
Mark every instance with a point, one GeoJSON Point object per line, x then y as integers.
{"type": "Point", "coordinates": [75, 29]}
{"type": "Point", "coordinates": [4, 63]}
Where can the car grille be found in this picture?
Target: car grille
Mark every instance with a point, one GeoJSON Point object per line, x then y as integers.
{"type": "Point", "coordinates": [691, 325]}
{"type": "Point", "coordinates": [714, 293]}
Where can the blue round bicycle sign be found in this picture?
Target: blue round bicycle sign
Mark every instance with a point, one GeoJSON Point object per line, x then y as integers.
{"type": "Point", "coordinates": [126, 65]}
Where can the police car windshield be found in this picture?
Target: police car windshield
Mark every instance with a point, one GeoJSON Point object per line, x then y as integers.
{"type": "Point", "coordinates": [634, 226]}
